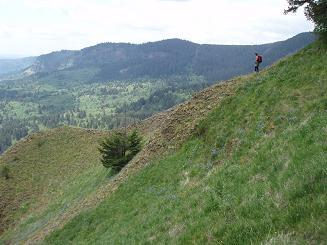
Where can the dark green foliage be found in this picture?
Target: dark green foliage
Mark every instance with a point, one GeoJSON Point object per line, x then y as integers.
{"type": "Point", "coordinates": [134, 143]}
{"type": "Point", "coordinates": [12, 130]}
{"type": "Point", "coordinates": [113, 151]}
{"type": "Point", "coordinates": [118, 149]}
{"type": "Point", "coordinates": [315, 10]}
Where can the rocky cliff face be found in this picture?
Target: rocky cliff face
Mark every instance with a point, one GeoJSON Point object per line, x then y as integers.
{"type": "Point", "coordinates": [52, 62]}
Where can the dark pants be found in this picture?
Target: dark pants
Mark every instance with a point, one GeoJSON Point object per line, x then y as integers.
{"type": "Point", "coordinates": [256, 68]}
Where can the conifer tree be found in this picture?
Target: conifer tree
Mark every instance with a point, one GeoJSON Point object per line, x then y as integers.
{"type": "Point", "coordinates": [315, 10]}
{"type": "Point", "coordinates": [134, 140]}
{"type": "Point", "coordinates": [118, 149]}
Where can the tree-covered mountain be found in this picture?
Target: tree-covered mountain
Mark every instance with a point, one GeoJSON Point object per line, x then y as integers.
{"type": "Point", "coordinates": [123, 61]}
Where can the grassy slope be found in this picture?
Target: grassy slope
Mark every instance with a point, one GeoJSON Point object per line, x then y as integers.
{"type": "Point", "coordinates": [88, 189]}
{"type": "Point", "coordinates": [49, 171]}
{"type": "Point", "coordinates": [267, 182]}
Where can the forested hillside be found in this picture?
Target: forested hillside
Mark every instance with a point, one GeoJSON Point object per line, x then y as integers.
{"type": "Point", "coordinates": [121, 61]}
{"type": "Point", "coordinates": [31, 105]}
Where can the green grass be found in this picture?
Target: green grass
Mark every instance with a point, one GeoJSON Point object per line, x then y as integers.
{"type": "Point", "coordinates": [49, 172]}
{"type": "Point", "coordinates": [67, 194]}
{"type": "Point", "coordinates": [266, 184]}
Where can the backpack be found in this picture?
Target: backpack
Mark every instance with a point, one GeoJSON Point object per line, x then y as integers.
{"type": "Point", "coordinates": [259, 58]}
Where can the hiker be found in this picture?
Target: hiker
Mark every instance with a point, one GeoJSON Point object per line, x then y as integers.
{"type": "Point", "coordinates": [258, 60]}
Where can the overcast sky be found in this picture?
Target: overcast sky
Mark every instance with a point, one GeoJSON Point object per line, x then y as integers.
{"type": "Point", "coordinates": [33, 27]}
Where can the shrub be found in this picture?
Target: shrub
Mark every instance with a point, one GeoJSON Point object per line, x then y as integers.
{"type": "Point", "coordinates": [118, 149]}
{"type": "Point", "coordinates": [134, 142]}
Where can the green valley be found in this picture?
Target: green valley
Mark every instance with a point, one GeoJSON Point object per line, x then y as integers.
{"type": "Point", "coordinates": [93, 87]}
{"type": "Point", "coordinates": [31, 105]}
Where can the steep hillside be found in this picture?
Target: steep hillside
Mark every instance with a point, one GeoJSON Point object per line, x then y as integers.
{"type": "Point", "coordinates": [254, 171]}
{"type": "Point", "coordinates": [251, 171]}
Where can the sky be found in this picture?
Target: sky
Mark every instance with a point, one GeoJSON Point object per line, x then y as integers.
{"type": "Point", "coordinates": [34, 27]}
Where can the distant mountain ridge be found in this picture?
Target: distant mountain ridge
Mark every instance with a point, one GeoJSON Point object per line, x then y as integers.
{"type": "Point", "coordinates": [123, 61]}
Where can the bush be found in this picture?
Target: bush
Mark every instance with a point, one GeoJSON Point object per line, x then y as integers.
{"type": "Point", "coordinates": [134, 143]}
{"type": "Point", "coordinates": [118, 149]}
{"type": "Point", "coordinates": [5, 172]}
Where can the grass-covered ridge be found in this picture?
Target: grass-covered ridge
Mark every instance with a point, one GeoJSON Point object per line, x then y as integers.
{"type": "Point", "coordinates": [48, 172]}
{"type": "Point", "coordinates": [255, 171]}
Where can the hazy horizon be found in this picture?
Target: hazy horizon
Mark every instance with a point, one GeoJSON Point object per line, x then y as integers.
{"type": "Point", "coordinates": [35, 27]}
{"type": "Point", "coordinates": [9, 56]}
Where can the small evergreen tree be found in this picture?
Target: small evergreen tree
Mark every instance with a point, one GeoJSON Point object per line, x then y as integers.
{"type": "Point", "coordinates": [134, 141]}
{"type": "Point", "coordinates": [118, 149]}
